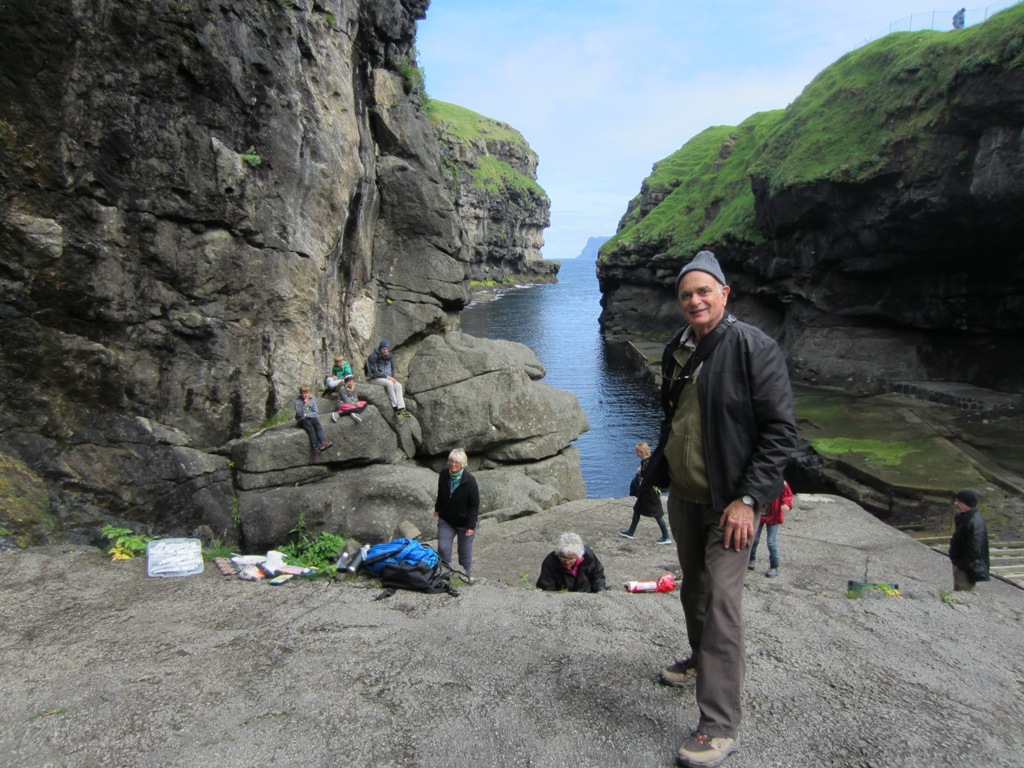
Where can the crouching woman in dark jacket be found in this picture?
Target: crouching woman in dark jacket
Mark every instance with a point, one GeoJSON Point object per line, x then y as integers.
{"type": "Point", "coordinates": [572, 566]}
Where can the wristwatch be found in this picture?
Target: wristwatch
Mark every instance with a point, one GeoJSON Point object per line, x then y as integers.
{"type": "Point", "coordinates": [748, 500]}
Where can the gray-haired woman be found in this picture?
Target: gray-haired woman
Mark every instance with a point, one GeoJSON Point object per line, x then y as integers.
{"type": "Point", "coordinates": [457, 510]}
{"type": "Point", "coordinates": [572, 566]}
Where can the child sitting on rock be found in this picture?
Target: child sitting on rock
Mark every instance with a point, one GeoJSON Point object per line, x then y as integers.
{"type": "Point", "coordinates": [334, 379]}
{"type": "Point", "coordinates": [348, 402]}
{"type": "Point", "coordinates": [308, 417]}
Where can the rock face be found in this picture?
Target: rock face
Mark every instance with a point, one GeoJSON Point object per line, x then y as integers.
{"type": "Point", "coordinates": [472, 393]}
{"type": "Point", "coordinates": [502, 208]}
{"type": "Point", "coordinates": [200, 204]}
{"type": "Point", "coordinates": [874, 230]}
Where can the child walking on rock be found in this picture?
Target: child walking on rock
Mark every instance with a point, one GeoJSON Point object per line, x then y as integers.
{"type": "Point", "coordinates": [773, 517]}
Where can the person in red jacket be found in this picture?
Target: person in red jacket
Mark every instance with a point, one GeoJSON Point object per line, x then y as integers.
{"type": "Point", "coordinates": [773, 517]}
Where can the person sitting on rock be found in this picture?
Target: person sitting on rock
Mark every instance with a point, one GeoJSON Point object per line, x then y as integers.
{"type": "Point", "coordinates": [380, 366]}
{"type": "Point", "coordinates": [349, 403]}
{"type": "Point", "coordinates": [572, 566]}
{"type": "Point", "coordinates": [308, 417]}
{"type": "Point", "coordinates": [334, 379]}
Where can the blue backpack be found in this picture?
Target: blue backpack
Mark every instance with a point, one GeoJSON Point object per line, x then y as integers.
{"type": "Point", "coordinates": [398, 552]}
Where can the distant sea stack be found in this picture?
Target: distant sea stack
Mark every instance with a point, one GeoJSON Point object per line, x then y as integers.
{"type": "Point", "coordinates": [873, 226]}
{"type": "Point", "coordinates": [503, 209]}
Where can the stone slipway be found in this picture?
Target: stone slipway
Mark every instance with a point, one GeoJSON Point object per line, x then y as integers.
{"type": "Point", "coordinates": [103, 666]}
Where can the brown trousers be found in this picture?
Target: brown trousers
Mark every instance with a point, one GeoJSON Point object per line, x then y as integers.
{"type": "Point", "coordinates": [961, 581]}
{"type": "Point", "coordinates": [712, 597]}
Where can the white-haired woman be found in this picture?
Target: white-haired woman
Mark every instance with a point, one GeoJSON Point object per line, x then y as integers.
{"type": "Point", "coordinates": [572, 566]}
{"type": "Point", "coordinates": [457, 510]}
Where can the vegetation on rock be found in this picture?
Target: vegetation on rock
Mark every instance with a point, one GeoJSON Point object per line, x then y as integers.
{"type": "Point", "coordinates": [869, 111]}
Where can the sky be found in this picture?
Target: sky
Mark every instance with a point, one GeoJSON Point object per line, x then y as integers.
{"type": "Point", "coordinates": [603, 89]}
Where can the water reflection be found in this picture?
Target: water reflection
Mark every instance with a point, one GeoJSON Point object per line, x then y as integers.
{"type": "Point", "coordinates": [559, 323]}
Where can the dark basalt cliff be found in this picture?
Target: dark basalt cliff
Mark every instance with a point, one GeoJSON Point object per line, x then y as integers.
{"type": "Point", "coordinates": [874, 226]}
{"type": "Point", "coordinates": [200, 203]}
{"type": "Point", "coordinates": [501, 206]}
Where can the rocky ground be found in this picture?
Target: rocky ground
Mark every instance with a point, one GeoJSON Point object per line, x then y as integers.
{"type": "Point", "coordinates": [104, 666]}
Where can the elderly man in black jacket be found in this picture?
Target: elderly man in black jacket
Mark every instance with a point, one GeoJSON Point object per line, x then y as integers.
{"type": "Point", "coordinates": [968, 549]}
{"type": "Point", "coordinates": [728, 433]}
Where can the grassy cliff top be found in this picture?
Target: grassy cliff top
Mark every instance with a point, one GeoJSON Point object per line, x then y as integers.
{"type": "Point", "coordinates": [852, 121]}
{"type": "Point", "coordinates": [706, 190]}
{"type": "Point", "coordinates": [491, 173]}
{"type": "Point", "coordinates": [848, 122]}
{"type": "Point", "coordinates": [467, 125]}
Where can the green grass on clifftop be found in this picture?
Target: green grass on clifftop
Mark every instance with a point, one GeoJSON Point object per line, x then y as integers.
{"type": "Point", "coordinates": [890, 95]}
{"type": "Point", "coordinates": [455, 123]}
{"type": "Point", "coordinates": [706, 191]}
{"type": "Point", "coordinates": [883, 104]}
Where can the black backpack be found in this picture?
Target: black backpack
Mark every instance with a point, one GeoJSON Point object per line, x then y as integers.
{"type": "Point", "coordinates": [418, 577]}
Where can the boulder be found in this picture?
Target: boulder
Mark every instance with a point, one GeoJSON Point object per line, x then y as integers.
{"type": "Point", "coordinates": [489, 405]}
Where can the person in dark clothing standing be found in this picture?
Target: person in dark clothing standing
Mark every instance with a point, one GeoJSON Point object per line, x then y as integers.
{"type": "Point", "coordinates": [728, 433]}
{"type": "Point", "coordinates": [648, 499]}
{"type": "Point", "coordinates": [968, 549]}
{"type": "Point", "coordinates": [457, 510]}
{"type": "Point", "coordinates": [572, 566]}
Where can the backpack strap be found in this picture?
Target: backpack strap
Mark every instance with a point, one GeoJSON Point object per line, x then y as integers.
{"type": "Point", "coordinates": [671, 388]}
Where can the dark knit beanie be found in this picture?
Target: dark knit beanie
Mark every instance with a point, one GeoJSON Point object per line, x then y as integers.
{"type": "Point", "coordinates": [968, 497]}
{"type": "Point", "coordinates": [384, 343]}
{"type": "Point", "coordinates": [704, 261]}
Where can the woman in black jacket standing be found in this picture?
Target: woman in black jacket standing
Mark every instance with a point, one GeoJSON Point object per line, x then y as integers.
{"type": "Point", "coordinates": [457, 510]}
{"type": "Point", "coordinates": [648, 499]}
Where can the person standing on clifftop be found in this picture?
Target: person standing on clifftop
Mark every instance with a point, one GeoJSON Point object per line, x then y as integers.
{"type": "Point", "coordinates": [726, 439]}
{"type": "Point", "coordinates": [968, 549]}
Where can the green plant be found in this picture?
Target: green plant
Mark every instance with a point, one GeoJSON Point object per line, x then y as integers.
{"type": "Point", "coordinates": [50, 712]}
{"type": "Point", "coordinates": [946, 596]}
{"type": "Point", "coordinates": [414, 78]}
{"type": "Point", "coordinates": [126, 543]}
{"type": "Point", "coordinates": [217, 548]}
{"type": "Point", "coordinates": [524, 581]}
{"type": "Point", "coordinates": [251, 157]}
{"type": "Point", "coordinates": [320, 552]}
{"type": "Point", "coordinates": [236, 516]}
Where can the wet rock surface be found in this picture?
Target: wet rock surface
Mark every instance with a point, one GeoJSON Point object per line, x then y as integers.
{"type": "Point", "coordinates": [105, 666]}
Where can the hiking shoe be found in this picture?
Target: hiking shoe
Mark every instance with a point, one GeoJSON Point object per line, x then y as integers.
{"type": "Point", "coordinates": [771, 573]}
{"type": "Point", "coordinates": [681, 674]}
{"type": "Point", "coordinates": [334, 417]}
{"type": "Point", "coordinates": [316, 452]}
{"type": "Point", "coordinates": [325, 445]}
{"type": "Point", "coordinates": [664, 540]}
{"type": "Point", "coordinates": [626, 535]}
{"type": "Point", "coordinates": [703, 750]}
{"type": "Point", "coordinates": [402, 413]}
{"type": "Point", "coordinates": [750, 565]}
{"type": "Point", "coordinates": [355, 416]}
